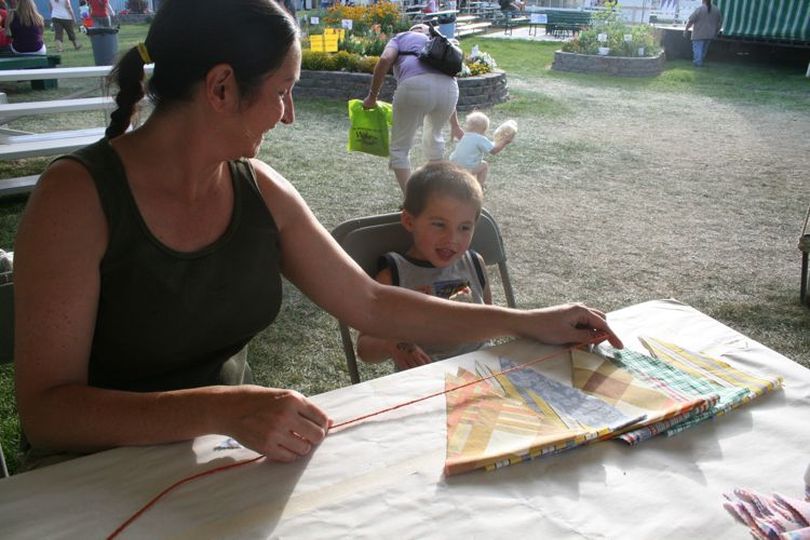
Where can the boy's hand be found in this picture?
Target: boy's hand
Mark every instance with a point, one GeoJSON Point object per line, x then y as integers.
{"type": "Point", "coordinates": [409, 355]}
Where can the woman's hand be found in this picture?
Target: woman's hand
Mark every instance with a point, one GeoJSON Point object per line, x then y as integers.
{"type": "Point", "coordinates": [280, 424]}
{"type": "Point", "coordinates": [370, 102]}
{"type": "Point", "coordinates": [570, 323]}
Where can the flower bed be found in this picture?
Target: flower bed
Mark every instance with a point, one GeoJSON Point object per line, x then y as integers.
{"type": "Point", "coordinates": [625, 66]}
{"type": "Point", "coordinates": [613, 47]}
{"type": "Point", "coordinates": [475, 92]}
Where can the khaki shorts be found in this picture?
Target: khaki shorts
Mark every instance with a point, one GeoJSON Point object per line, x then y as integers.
{"type": "Point", "coordinates": [66, 25]}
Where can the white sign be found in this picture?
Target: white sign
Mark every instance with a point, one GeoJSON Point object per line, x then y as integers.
{"type": "Point", "coordinates": [346, 23]}
{"type": "Point", "coordinates": [601, 38]}
{"type": "Point", "coordinates": [538, 18]}
{"type": "Point", "coordinates": [628, 38]}
{"type": "Point", "coordinates": [314, 20]}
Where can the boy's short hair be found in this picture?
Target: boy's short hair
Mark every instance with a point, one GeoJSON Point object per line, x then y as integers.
{"type": "Point", "coordinates": [477, 121]}
{"type": "Point", "coordinates": [441, 178]}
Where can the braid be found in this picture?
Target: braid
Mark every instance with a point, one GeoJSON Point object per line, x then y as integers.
{"type": "Point", "coordinates": [128, 76]}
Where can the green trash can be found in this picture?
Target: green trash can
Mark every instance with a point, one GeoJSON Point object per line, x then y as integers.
{"type": "Point", "coordinates": [105, 44]}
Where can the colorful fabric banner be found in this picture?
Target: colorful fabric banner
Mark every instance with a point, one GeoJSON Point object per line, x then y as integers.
{"type": "Point", "coordinates": [518, 414]}
{"type": "Point", "coordinates": [489, 429]}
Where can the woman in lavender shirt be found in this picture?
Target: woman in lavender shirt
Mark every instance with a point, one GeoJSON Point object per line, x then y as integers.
{"type": "Point", "coordinates": [424, 95]}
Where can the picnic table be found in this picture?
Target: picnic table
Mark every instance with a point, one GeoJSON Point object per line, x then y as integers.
{"type": "Point", "coordinates": [382, 478]}
{"type": "Point", "coordinates": [20, 62]}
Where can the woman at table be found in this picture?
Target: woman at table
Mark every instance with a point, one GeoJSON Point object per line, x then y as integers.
{"type": "Point", "coordinates": [146, 262]}
{"type": "Point", "coordinates": [424, 96]}
{"type": "Point", "coordinates": [25, 26]}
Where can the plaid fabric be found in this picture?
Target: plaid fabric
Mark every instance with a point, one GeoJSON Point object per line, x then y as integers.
{"type": "Point", "coordinates": [734, 386]}
{"type": "Point", "coordinates": [602, 378]}
{"type": "Point", "coordinates": [702, 365]}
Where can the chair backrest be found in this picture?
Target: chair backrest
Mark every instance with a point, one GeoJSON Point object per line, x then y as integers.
{"type": "Point", "coordinates": [366, 239]}
{"type": "Point", "coordinates": [6, 333]}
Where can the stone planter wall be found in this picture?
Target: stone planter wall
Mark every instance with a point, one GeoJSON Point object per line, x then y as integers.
{"type": "Point", "coordinates": [474, 92]}
{"type": "Point", "coordinates": [609, 65]}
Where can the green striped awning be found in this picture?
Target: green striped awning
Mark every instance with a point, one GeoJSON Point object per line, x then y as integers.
{"type": "Point", "coordinates": [766, 19]}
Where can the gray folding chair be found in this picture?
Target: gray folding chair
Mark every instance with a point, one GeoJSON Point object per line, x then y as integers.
{"type": "Point", "coordinates": [6, 335]}
{"type": "Point", "coordinates": [366, 239]}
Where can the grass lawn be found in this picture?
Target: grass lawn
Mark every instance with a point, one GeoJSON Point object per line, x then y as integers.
{"type": "Point", "coordinates": [691, 185]}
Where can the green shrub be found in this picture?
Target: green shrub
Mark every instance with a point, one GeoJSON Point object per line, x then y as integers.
{"type": "Point", "coordinates": [367, 64]}
{"type": "Point", "coordinates": [345, 61]}
{"type": "Point", "coordinates": [608, 22]}
{"type": "Point", "coordinates": [317, 61]}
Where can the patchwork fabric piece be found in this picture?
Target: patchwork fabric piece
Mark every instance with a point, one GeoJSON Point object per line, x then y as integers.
{"type": "Point", "coordinates": [516, 415]}
{"type": "Point", "coordinates": [694, 374]}
{"type": "Point", "coordinates": [770, 517]}
{"type": "Point", "coordinates": [573, 405]}
{"type": "Point", "coordinates": [603, 378]}
{"type": "Point", "coordinates": [679, 385]}
{"type": "Point", "coordinates": [488, 428]}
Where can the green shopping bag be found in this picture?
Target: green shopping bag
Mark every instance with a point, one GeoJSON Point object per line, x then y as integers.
{"type": "Point", "coordinates": [369, 127]}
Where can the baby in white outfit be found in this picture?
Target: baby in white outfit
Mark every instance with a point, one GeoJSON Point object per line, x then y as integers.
{"type": "Point", "coordinates": [474, 145]}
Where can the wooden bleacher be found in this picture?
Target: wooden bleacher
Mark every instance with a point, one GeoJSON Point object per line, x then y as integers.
{"type": "Point", "coordinates": [16, 144]}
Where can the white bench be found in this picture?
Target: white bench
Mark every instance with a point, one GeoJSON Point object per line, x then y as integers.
{"type": "Point", "coordinates": [14, 187]}
{"type": "Point", "coordinates": [27, 146]}
{"type": "Point", "coordinates": [11, 111]}
{"type": "Point", "coordinates": [88, 72]}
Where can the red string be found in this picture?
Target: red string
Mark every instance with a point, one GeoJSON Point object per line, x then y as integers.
{"type": "Point", "coordinates": [598, 339]}
{"type": "Point", "coordinates": [182, 481]}
{"type": "Point", "coordinates": [177, 484]}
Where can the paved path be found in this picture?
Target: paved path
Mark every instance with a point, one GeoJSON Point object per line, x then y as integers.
{"type": "Point", "coordinates": [522, 32]}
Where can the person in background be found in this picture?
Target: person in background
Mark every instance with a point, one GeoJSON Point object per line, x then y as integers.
{"type": "Point", "coordinates": [101, 12]}
{"type": "Point", "coordinates": [62, 18]}
{"type": "Point", "coordinates": [5, 41]}
{"type": "Point", "coordinates": [146, 262]}
{"type": "Point", "coordinates": [424, 96]}
{"type": "Point", "coordinates": [442, 205]}
{"type": "Point", "coordinates": [706, 22]}
{"type": "Point", "coordinates": [25, 27]}
{"type": "Point", "coordinates": [84, 15]}
{"type": "Point", "coordinates": [474, 145]}
{"type": "Point", "coordinates": [512, 5]}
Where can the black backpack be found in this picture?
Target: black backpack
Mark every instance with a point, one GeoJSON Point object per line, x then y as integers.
{"type": "Point", "coordinates": [440, 54]}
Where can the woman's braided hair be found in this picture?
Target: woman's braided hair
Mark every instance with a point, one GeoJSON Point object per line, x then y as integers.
{"type": "Point", "coordinates": [189, 37]}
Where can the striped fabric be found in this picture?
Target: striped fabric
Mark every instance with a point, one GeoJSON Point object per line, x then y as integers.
{"type": "Point", "coordinates": [602, 378]}
{"type": "Point", "coordinates": [488, 429]}
{"type": "Point", "coordinates": [694, 374]}
{"type": "Point", "coordinates": [677, 382]}
{"type": "Point", "coordinates": [766, 19]}
{"type": "Point", "coordinates": [522, 414]}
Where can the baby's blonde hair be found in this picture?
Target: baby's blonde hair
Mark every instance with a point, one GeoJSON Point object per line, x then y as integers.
{"type": "Point", "coordinates": [477, 122]}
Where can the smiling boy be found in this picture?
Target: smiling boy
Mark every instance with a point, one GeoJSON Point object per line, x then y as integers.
{"type": "Point", "coordinates": [442, 205]}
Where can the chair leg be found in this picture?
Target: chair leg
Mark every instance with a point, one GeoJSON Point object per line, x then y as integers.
{"type": "Point", "coordinates": [803, 294]}
{"type": "Point", "coordinates": [3, 468]}
{"type": "Point", "coordinates": [348, 350]}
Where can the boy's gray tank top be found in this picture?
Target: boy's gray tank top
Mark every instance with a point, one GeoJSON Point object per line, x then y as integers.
{"type": "Point", "coordinates": [166, 319]}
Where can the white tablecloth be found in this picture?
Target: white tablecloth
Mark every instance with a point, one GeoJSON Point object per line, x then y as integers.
{"type": "Point", "coordinates": [383, 477]}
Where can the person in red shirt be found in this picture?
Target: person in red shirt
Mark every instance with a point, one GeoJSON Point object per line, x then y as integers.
{"type": "Point", "coordinates": [101, 12]}
{"type": "Point", "coordinates": [5, 41]}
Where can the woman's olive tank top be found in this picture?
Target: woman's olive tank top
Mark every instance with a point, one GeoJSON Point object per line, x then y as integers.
{"type": "Point", "coordinates": [168, 319]}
